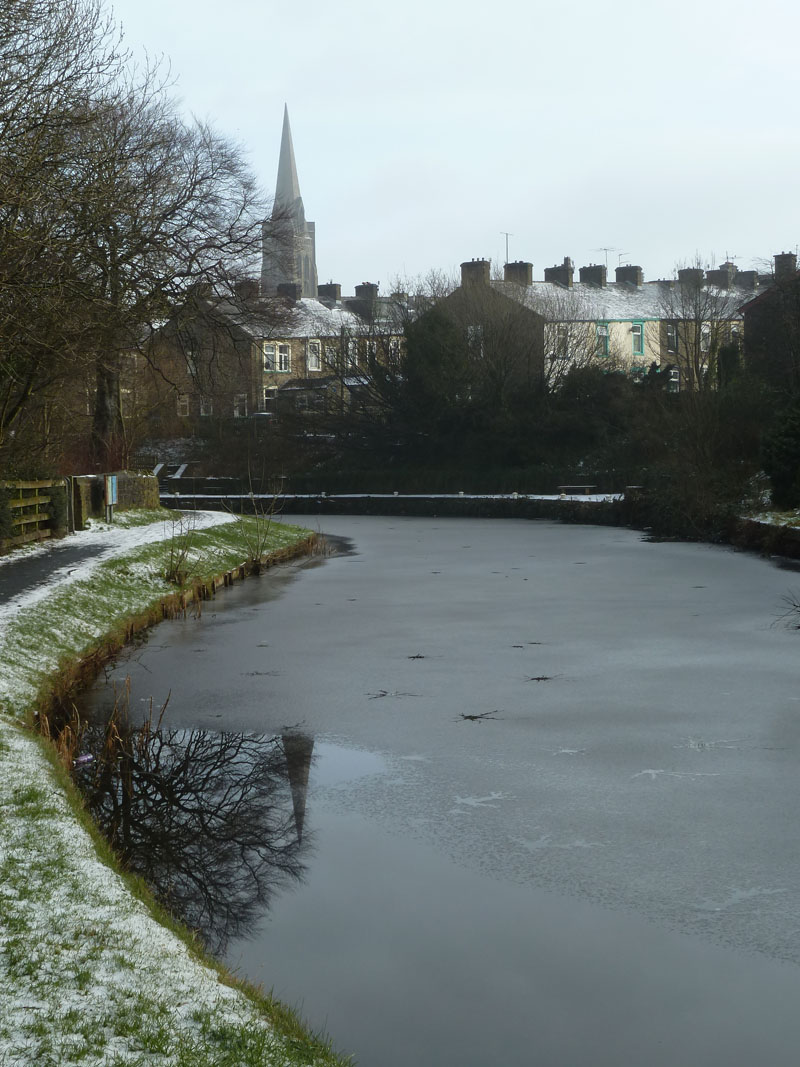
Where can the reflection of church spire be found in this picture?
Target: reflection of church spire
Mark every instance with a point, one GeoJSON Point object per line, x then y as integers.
{"type": "Point", "coordinates": [298, 748]}
{"type": "Point", "coordinates": [288, 249]}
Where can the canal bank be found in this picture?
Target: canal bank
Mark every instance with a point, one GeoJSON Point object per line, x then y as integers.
{"type": "Point", "coordinates": [769, 534]}
{"type": "Point", "coordinates": [90, 970]}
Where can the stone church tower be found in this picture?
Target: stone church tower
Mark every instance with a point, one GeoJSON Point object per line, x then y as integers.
{"type": "Point", "coordinates": [288, 246]}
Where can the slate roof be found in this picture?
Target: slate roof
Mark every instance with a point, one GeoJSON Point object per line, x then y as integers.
{"type": "Point", "coordinates": [305, 318]}
{"type": "Point", "coordinates": [612, 302]}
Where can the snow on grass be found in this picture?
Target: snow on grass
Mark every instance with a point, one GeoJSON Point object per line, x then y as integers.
{"type": "Point", "coordinates": [777, 518]}
{"type": "Point", "coordinates": [87, 974]}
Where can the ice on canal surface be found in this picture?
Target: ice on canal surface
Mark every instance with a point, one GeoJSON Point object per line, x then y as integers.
{"type": "Point", "coordinates": [552, 816]}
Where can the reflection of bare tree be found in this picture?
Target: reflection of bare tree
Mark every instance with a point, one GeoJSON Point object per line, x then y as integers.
{"type": "Point", "coordinates": [207, 819]}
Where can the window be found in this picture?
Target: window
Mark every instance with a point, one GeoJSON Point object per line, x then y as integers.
{"type": "Point", "coordinates": [206, 406]}
{"type": "Point", "coordinates": [475, 339]}
{"type": "Point", "coordinates": [269, 398]}
{"type": "Point", "coordinates": [276, 357]}
{"type": "Point", "coordinates": [394, 349]}
{"type": "Point", "coordinates": [637, 336]}
{"type": "Point", "coordinates": [562, 349]}
{"type": "Point", "coordinates": [602, 338]}
{"type": "Point", "coordinates": [240, 406]}
{"type": "Point", "coordinates": [705, 337]}
{"type": "Point", "coordinates": [672, 337]}
{"type": "Point", "coordinates": [183, 405]}
{"type": "Point", "coordinates": [352, 355]}
{"type": "Point", "coordinates": [314, 361]}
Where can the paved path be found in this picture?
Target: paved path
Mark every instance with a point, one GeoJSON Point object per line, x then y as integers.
{"type": "Point", "coordinates": [27, 575]}
{"type": "Point", "coordinates": [19, 572]}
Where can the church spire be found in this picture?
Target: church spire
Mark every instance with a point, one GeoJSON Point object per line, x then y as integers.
{"type": "Point", "coordinates": [287, 187]}
{"type": "Point", "coordinates": [288, 250]}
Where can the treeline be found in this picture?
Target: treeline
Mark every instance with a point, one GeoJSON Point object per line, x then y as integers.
{"type": "Point", "coordinates": [701, 457]}
{"type": "Point", "coordinates": [112, 207]}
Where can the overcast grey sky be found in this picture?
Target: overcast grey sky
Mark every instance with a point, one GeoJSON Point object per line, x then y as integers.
{"type": "Point", "coordinates": [423, 130]}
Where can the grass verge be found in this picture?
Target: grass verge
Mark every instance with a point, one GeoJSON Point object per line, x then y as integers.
{"type": "Point", "coordinates": [92, 971]}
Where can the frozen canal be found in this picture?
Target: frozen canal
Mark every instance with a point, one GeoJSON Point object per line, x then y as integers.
{"type": "Point", "coordinates": [552, 816]}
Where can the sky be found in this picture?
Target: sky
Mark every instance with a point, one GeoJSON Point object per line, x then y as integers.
{"type": "Point", "coordinates": [610, 132]}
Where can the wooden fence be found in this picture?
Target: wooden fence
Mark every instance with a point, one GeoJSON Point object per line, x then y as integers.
{"type": "Point", "coordinates": [28, 503]}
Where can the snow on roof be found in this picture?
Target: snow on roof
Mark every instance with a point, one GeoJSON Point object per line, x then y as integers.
{"type": "Point", "coordinates": [306, 317]}
{"type": "Point", "coordinates": [615, 301]}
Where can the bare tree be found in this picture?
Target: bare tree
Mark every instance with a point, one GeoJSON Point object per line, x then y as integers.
{"type": "Point", "coordinates": [113, 208]}
{"type": "Point", "coordinates": [53, 54]}
{"type": "Point", "coordinates": [699, 319]}
{"type": "Point", "coordinates": [571, 339]}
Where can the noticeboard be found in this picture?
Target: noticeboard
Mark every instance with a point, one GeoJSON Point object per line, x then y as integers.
{"type": "Point", "coordinates": [111, 490]}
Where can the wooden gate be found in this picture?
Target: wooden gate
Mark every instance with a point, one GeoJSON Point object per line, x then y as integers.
{"type": "Point", "coordinates": [28, 503]}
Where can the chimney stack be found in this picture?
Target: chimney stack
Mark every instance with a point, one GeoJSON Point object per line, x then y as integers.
{"type": "Point", "coordinates": [475, 272]}
{"type": "Point", "coordinates": [290, 291]}
{"type": "Point", "coordinates": [367, 291]}
{"type": "Point", "coordinates": [247, 289]}
{"type": "Point", "coordinates": [330, 291]}
{"type": "Point", "coordinates": [562, 274]}
{"type": "Point", "coordinates": [692, 276]}
{"type": "Point", "coordinates": [785, 265]}
{"type": "Point", "coordinates": [723, 277]}
{"type": "Point", "coordinates": [520, 273]}
{"type": "Point", "coordinates": [629, 275]}
{"type": "Point", "coordinates": [746, 279]}
{"type": "Point", "coordinates": [594, 274]}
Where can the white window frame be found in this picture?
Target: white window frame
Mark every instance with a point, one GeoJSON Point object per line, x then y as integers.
{"type": "Point", "coordinates": [206, 406]}
{"type": "Point", "coordinates": [182, 405]}
{"type": "Point", "coordinates": [351, 359]}
{"type": "Point", "coordinates": [602, 338]}
{"type": "Point", "coordinates": [637, 338]}
{"type": "Point", "coordinates": [672, 337]}
{"type": "Point", "coordinates": [277, 357]}
{"type": "Point", "coordinates": [314, 356]}
{"type": "Point", "coordinates": [240, 406]}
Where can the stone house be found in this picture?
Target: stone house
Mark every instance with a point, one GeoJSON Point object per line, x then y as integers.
{"type": "Point", "coordinates": [772, 327]}
{"type": "Point", "coordinates": [629, 325]}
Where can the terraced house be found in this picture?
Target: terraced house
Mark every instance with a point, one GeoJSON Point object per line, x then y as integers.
{"type": "Point", "coordinates": [683, 326]}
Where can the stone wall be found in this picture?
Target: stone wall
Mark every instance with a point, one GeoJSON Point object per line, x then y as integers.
{"type": "Point", "coordinates": [133, 491]}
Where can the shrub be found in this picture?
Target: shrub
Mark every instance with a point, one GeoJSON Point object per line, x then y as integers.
{"type": "Point", "coordinates": [780, 452]}
{"type": "Point", "coordinates": [6, 526]}
{"type": "Point", "coordinates": [58, 510]}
